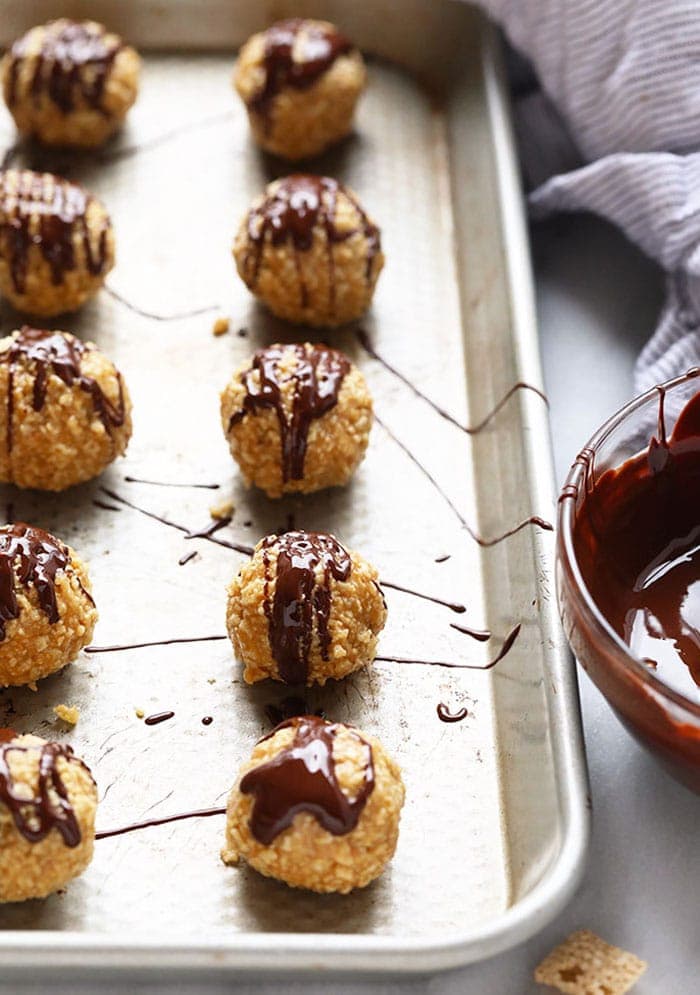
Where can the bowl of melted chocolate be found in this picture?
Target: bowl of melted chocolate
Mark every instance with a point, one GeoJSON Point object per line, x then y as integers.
{"type": "Point", "coordinates": [628, 569]}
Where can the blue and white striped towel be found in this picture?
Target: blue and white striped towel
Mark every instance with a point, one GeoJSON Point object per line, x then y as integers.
{"type": "Point", "coordinates": [622, 77]}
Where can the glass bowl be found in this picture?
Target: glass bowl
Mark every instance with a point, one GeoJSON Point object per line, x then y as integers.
{"type": "Point", "coordinates": [664, 719]}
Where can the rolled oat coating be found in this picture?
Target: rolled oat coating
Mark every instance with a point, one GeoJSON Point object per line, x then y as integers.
{"type": "Point", "coordinates": [65, 411]}
{"type": "Point", "coordinates": [317, 806]}
{"type": "Point", "coordinates": [69, 82]}
{"type": "Point", "coordinates": [300, 81]}
{"type": "Point", "coordinates": [304, 609]}
{"type": "Point", "coordinates": [309, 252]}
{"type": "Point", "coordinates": [297, 418]}
{"type": "Point", "coordinates": [48, 801]}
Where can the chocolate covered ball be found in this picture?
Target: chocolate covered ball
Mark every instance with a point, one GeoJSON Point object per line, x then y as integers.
{"type": "Point", "coordinates": [317, 806]}
{"type": "Point", "coordinates": [297, 418]}
{"type": "Point", "coordinates": [309, 252]}
{"type": "Point", "coordinates": [48, 801]}
{"type": "Point", "coordinates": [56, 243]}
{"type": "Point", "coordinates": [66, 413]}
{"type": "Point", "coordinates": [70, 82]}
{"type": "Point", "coordinates": [300, 81]}
{"type": "Point", "coordinates": [47, 614]}
{"type": "Point", "coordinates": [304, 609]}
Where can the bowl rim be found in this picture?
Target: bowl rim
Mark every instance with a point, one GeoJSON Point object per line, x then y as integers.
{"type": "Point", "coordinates": [566, 554]}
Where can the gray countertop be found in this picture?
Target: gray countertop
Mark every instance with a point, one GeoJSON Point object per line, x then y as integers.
{"type": "Point", "coordinates": [598, 299]}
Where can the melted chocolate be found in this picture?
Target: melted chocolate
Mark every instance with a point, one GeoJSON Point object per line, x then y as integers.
{"type": "Point", "coordinates": [202, 813]}
{"type": "Point", "coordinates": [637, 541]}
{"type": "Point", "coordinates": [53, 352]}
{"type": "Point", "coordinates": [207, 720]}
{"type": "Point", "coordinates": [72, 65]}
{"type": "Point", "coordinates": [481, 635]}
{"type": "Point", "coordinates": [317, 378]}
{"type": "Point", "coordinates": [302, 778]}
{"type": "Point", "coordinates": [210, 529]}
{"type": "Point", "coordinates": [50, 808]}
{"type": "Point", "coordinates": [300, 599]}
{"type": "Point", "coordinates": [364, 341]}
{"type": "Point", "coordinates": [61, 210]}
{"type": "Point", "coordinates": [157, 718]}
{"type": "Point", "coordinates": [186, 558]}
{"type": "Point", "coordinates": [167, 483]}
{"type": "Point", "coordinates": [297, 53]}
{"type": "Point", "coordinates": [452, 605]}
{"type": "Point", "coordinates": [445, 715]}
{"type": "Point", "coordinates": [157, 316]}
{"type": "Point", "coordinates": [31, 557]}
{"type": "Point", "coordinates": [156, 642]}
{"type": "Point", "coordinates": [505, 648]}
{"type": "Point", "coordinates": [291, 212]}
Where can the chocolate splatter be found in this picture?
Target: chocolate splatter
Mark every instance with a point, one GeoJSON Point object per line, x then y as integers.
{"type": "Point", "coordinates": [207, 720]}
{"type": "Point", "coordinates": [168, 483]}
{"type": "Point", "coordinates": [302, 778]}
{"type": "Point", "coordinates": [505, 648]}
{"type": "Point", "coordinates": [316, 378]}
{"type": "Point", "coordinates": [203, 813]}
{"type": "Point", "coordinates": [445, 715]}
{"type": "Point", "coordinates": [155, 315]}
{"type": "Point", "coordinates": [105, 506]}
{"type": "Point", "coordinates": [299, 601]}
{"type": "Point", "coordinates": [210, 529]}
{"type": "Point", "coordinates": [186, 558]}
{"type": "Point", "coordinates": [452, 605]}
{"type": "Point", "coordinates": [155, 642]}
{"type": "Point", "coordinates": [158, 717]}
{"type": "Point", "coordinates": [481, 635]}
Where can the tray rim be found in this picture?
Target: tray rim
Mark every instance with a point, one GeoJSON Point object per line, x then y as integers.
{"type": "Point", "coordinates": [71, 955]}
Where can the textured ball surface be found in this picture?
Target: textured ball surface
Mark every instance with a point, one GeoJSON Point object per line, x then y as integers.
{"type": "Point", "coordinates": [297, 418]}
{"type": "Point", "coordinates": [64, 824]}
{"type": "Point", "coordinates": [69, 82]}
{"type": "Point", "coordinates": [304, 609]}
{"type": "Point", "coordinates": [66, 413]}
{"type": "Point", "coordinates": [356, 790]}
{"type": "Point", "coordinates": [300, 81]}
{"type": "Point", "coordinates": [309, 252]}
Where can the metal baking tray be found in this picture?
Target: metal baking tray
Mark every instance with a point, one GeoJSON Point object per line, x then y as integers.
{"type": "Point", "coordinates": [495, 826]}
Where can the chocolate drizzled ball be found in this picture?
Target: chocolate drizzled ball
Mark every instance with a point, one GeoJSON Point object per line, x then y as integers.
{"type": "Point", "coordinates": [47, 614]}
{"type": "Point", "coordinates": [65, 411]}
{"type": "Point", "coordinates": [48, 801]}
{"type": "Point", "coordinates": [297, 418]}
{"type": "Point", "coordinates": [304, 609]}
{"type": "Point", "coordinates": [317, 806]}
{"type": "Point", "coordinates": [69, 82]}
{"type": "Point", "coordinates": [309, 252]}
{"type": "Point", "coordinates": [300, 81]}
{"type": "Point", "coordinates": [56, 242]}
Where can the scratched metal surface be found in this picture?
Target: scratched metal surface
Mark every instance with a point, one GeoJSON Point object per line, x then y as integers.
{"type": "Point", "coordinates": [494, 826]}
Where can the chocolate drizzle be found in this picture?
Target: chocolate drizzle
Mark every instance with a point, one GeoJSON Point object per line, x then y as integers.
{"type": "Point", "coordinates": [158, 717]}
{"type": "Point", "coordinates": [297, 53]}
{"type": "Point", "coordinates": [32, 558]}
{"type": "Point", "coordinates": [54, 352]}
{"type": "Point", "coordinates": [49, 213]}
{"type": "Point", "coordinates": [290, 211]}
{"type": "Point", "coordinates": [202, 813]}
{"type": "Point", "coordinates": [302, 778]}
{"type": "Point", "coordinates": [71, 67]}
{"type": "Point", "coordinates": [50, 808]}
{"type": "Point", "coordinates": [155, 642]}
{"type": "Point", "coordinates": [302, 599]}
{"type": "Point", "coordinates": [505, 648]}
{"type": "Point", "coordinates": [317, 377]}
{"type": "Point", "coordinates": [445, 715]}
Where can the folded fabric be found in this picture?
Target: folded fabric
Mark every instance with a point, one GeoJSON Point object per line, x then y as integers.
{"type": "Point", "coordinates": [621, 94]}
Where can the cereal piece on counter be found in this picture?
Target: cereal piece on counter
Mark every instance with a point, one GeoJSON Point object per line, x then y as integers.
{"type": "Point", "coordinates": [317, 806]}
{"type": "Point", "coordinates": [297, 418]}
{"type": "Point", "coordinates": [586, 965]}
{"type": "Point", "coordinates": [68, 411]}
{"type": "Point", "coordinates": [300, 81]}
{"type": "Point", "coordinates": [308, 251]}
{"type": "Point", "coordinates": [67, 713]}
{"type": "Point", "coordinates": [332, 634]}
{"type": "Point", "coordinates": [220, 511]}
{"type": "Point", "coordinates": [221, 326]}
{"type": "Point", "coordinates": [46, 608]}
{"type": "Point", "coordinates": [139, 713]}
{"type": "Point", "coordinates": [70, 82]}
{"type": "Point", "coordinates": [48, 801]}
{"type": "Point", "coordinates": [56, 243]}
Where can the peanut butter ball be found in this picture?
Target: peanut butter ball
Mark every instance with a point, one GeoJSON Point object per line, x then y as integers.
{"type": "Point", "coordinates": [56, 243]}
{"type": "Point", "coordinates": [304, 609]}
{"type": "Point", "coordinates": [67, 412]}
{"type": "Point", "coordinates": [317, 806]}
{"type": "Point", "coordinates": [309, 252]}
{"type": "Point", "coordinates": [69, 82]}
{"type": "Point", "coordinates": [48, 801]}
{"type": "Point", "coordinates": [297, 418]}
{"type": "Point", "coordinates": [47, 614]}
{"type": "Point", "coordinates": [300, 81]}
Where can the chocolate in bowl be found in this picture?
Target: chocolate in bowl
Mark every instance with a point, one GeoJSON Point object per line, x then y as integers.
{"type": "Point", "coordinates": [628, 569]}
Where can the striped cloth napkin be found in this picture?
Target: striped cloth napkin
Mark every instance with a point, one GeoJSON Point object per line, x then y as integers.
{"type": "Point", "coordinates": [615, 130]}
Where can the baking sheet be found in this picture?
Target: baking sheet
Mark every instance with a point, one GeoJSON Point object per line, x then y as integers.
{"type": "Point", "coordinates": [494, 826]}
